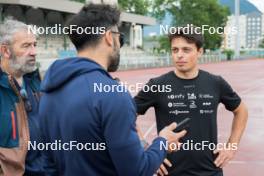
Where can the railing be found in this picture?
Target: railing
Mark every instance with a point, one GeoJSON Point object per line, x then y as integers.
{"type": "Point", "coordinates": [165, 60]}
{"type": "Point", "coordinates": [258, 53]}
{"type": "Point", "coordinates": [136, 61]}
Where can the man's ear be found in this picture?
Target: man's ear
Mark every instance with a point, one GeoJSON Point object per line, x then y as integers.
{"type": "Point", "coordinates": [5, 51]}
{"type": "Point", "coordinates": [109, 38]}
{"type": "Point", "coordinates": [201, 51]}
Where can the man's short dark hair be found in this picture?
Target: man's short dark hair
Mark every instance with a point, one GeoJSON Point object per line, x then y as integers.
{"type": "Point", "coordinates": [191, 34]}
{"type": "Point", "coordinates": [94, 16]}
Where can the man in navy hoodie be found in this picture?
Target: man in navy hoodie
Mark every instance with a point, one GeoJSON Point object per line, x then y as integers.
{"type": "Point", "coordinates": [89, 130]}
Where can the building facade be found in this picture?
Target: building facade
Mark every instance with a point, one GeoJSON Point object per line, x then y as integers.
{"type": "Point", "coordinates": [251, 31]}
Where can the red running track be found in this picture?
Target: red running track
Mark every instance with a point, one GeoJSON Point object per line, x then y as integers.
{"type": "Point", "coordinates": [247, 78]}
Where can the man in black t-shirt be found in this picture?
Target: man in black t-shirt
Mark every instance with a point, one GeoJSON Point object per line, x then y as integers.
{"type": "Point", "coordinates": [190, 92]}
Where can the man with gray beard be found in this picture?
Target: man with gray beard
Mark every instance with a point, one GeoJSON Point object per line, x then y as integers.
{"type": "Point", "coordinates": [19, 99]}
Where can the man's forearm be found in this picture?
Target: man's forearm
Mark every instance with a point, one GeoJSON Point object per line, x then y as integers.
{"type": "Point", "coordinates": [239, 123]}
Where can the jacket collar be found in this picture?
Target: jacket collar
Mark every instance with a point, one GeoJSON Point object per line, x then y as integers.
{"type": "Point", "coordinates": [3, 79]}
{"type": "Point", "coordinates": [29, 76]}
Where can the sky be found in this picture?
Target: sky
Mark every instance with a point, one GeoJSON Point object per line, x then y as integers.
{"type": "Point", "coordinates": [259, 4]}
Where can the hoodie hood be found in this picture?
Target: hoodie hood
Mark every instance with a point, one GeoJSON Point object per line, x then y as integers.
{"type": "Point", "coordinates": [62, 71]}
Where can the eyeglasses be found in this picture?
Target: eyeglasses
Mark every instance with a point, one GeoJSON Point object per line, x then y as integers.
{"type": "Point", "coordinates": [121, 37]}
{"type": "Point", "coordinates": [27, 103]}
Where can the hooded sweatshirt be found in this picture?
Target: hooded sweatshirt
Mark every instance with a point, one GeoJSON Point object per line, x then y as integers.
{"type": "Point", "coordinates": [96, 125]}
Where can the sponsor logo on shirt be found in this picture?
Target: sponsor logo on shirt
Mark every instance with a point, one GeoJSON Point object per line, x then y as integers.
{"type": "Point", "coordinates": [178, 96]}
{"type": "Point", "coordinates": [189, 86]}
{"type": "Point", "coordinates": [205, 111]}
{"type": "Point", "coordinates": [176, 112]}
{"type": "Point", "coordinates": [178, 104]}
{"type": "Point", "coordinates": [192, 104]}
{"type": "Point", "coordinates": [205, 96]}
{"type": "Point", "coordinates": [191, 96]}
{"type": "Point", "coordinates": [207, 103]}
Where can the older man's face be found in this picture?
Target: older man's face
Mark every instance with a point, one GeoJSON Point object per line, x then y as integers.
{"type": "Point", "coordinates": [23, 52]}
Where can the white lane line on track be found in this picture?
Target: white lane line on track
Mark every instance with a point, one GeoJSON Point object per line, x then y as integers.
{"type": "Point", "coordinates": [256, 84]}
{"type": "Point", "coordinates": [247, 162]}
{"type": "Point", "coordinates": [150, 129]}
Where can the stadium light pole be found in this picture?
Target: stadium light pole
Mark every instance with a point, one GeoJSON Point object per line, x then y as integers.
{"type": "Point", "coordinates": [1, 14]}
{"type": "Point", "coordinates": [237, 43]}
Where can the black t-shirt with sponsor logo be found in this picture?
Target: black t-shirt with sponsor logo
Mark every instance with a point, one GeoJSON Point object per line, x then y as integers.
{"type": "Point", "coordinates": [198, 99]}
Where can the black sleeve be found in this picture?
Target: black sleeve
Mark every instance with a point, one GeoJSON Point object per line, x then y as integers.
{"type": "Point", "coordinates": [145, 99]}
{"type": "Point", "coordinates": [228, 96]}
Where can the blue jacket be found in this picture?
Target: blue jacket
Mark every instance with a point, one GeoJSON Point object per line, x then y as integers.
{"type": "Point", "coordinates": [72, 109]}
{"type": "Point", "coordinates": [14, 119]}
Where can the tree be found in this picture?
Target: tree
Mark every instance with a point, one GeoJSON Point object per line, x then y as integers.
{"type": "Point", "coordinates": [261, 45]}
{"type": "Point", "coordinates": [196, 12]}
{"type": "Point", "coordinates": [82, 1]}
{"type": "Point", "coordinates": [229, 53]}
{"type": "Point", "coordinates": [140, 7]}
{"type": "Point", "coordinates": [164, 43]}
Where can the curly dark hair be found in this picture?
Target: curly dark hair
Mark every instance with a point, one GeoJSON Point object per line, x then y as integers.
{"type": "Point", "coordinates": [93, 16]}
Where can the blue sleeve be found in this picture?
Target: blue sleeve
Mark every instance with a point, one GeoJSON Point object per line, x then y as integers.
{"type": "Point", "coordinates": [122, 139]}
{"type": "Point", "coordinates": [49, 164]}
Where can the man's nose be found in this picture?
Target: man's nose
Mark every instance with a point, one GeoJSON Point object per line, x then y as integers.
{"type": "Point", "coordinates": [180, 54]}
{"type": "Point", "coordinates": [32, 51]}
